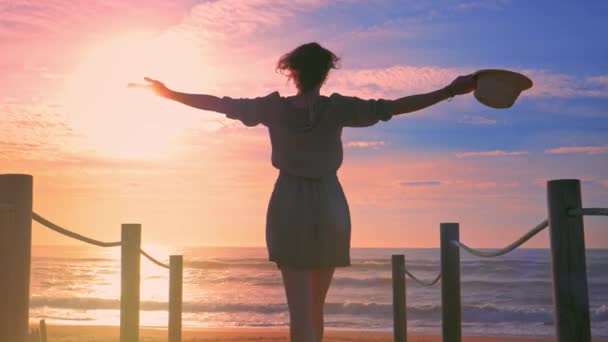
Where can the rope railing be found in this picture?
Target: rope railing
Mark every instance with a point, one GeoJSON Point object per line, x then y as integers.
{"type": "Point", "coordinates": [569, 278]}
{"type": "Point", "coordinates": [131, 251]}
{"type": "Point", "coordinates": [422, 282]}
{"type": "Point", "coordinates": [50, 225]}
{"type": "Point", "coordinates": [588, 212]}
{"type": "Point", "coordinates": [16, 218]}
{"type": "Point", "coordinates": [89, 240]}
{"type": "Point", "coordinates": [485, 254]}
{"type": "Point", "coordinates": [399, 271]}
{"type": "Point", "coordinates": [568, 269]}
{"type": "Point", "coordinates": [149, 257]}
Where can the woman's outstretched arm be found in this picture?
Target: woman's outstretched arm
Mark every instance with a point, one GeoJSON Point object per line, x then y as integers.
{"type": "Point", "coordinates": [200, 101]}
{"type": "Point", "coordinates": [461, 85]}
{"type": "Point", "coordinates": [250, 112]}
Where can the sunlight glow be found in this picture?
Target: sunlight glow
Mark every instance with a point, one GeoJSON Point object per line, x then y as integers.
{"type": "Point", "coordinates": [123, 122]}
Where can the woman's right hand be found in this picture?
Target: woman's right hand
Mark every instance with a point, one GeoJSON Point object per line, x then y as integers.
{"type": "Point", "coordinates": [156, 86]}
{"type": "Point", "coordinates": [462, 85]}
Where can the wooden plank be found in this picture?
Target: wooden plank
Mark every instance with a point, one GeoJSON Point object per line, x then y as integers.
{"type": "Point", "coordinates": [450, 283]}
{"type": "Point", "coordinates": [399, 306]}
{"type": "Point", "coordinates": [568, 265]}
{"type": "Point", "coordinates": [175, 297]}
{"type": "Point", "coordinates": [15, 255]}
{"type": "Point", "coordinates": [130, 282]}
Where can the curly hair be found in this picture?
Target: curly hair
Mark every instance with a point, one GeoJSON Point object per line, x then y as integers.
{"type": "Point", "coordinates": [308, 65]}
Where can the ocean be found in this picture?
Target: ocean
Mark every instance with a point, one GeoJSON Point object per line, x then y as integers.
{"type": "Point", "coordinates": [238, 287]}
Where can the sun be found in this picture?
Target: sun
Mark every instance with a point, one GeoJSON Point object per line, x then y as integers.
{"type": "Point", "coordinates": [118, 121]}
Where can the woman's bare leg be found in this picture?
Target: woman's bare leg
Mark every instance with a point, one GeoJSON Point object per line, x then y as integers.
{"type": "Point", "coordinates": [300, 301]}
{"type": "Point", "coordinates": [321, 279]}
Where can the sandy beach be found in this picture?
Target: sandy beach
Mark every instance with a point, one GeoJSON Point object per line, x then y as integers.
{"type": "Point", "coordinates": [66, 333]}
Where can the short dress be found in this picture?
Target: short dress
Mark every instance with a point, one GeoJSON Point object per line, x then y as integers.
{"type": "Point", "coordinates": [308, 219]}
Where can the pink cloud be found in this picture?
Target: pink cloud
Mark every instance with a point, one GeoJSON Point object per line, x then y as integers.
{"type": "Point", "coordinates": [600, 80]}
{"type": "Point", "coordinates": [229, 20]}
{"type": "Point", "coordinates": [578, 149]}
{"type": "Point", "coordinates": [420, 183]}
{"type": "Point", "coordinates": [395, 80]}
{"type": "Point", "coordinates": [400, 79]}
{"type": "Point", "coordinates": [474, 185]}
{"type": "Point", "coordinates": [392, 29]}
{"type": "Point", "coordinates": [61, 17]}
{"type": "Point", "coordinates": [485, 185]}
{"type": "Point", "coordinates": [495, 153]}
{"type": "Point", "coordinates": [365, 144]}
{"type": "Point", "coordinates": [562, 85]}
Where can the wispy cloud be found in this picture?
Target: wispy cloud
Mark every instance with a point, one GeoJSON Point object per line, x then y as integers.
{"type": "Point", "coordinates": [494, 153]}
{"type": "Point", "coordinates": [233, 19]}
{"type": "Point", "coordinates": [561, 106]}
{"type": "Point", "coordinates": [578, 149]}
{"type": "Point", "coordinates": [365, 144]}
{"type": "Point", "coordinates": [549, 84]}
{"type": "Point", "coordinates": [477, 120]}
{"type": "Point", "coordinates": [19, 19]}
{"type": "Point", "coordinates": [255, 30]}
{"type": "Point", "coordinates": [404, 79]}
{"type": "Point", "coordinates": [492, 5]}
{"type": "Point", "coordinates": [420, 183]}
{"type": "Point", "coordinates": [393, 81]}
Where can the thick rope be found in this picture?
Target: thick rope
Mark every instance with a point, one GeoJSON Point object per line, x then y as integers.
{"type": "Point", "coordinates": [588, 211]}
{"type": "Point", "coordinates": [152, 259]}
{"type": "Point", "coordinates": [71, 234]}
{"type": "Point", "coordinates": [507, 249]}
{"type": "Point", "coordinates": [422, 282]}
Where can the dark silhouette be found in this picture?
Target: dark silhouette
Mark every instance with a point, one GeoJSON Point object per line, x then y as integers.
{"type": "Point", "coordinates": [308, 220]}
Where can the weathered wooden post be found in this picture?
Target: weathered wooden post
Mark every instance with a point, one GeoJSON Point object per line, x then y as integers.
{"type": "Point", "coordinates": [15, 255]}
{"type": "Point", "coordinates": [399, 313]}
{"type": "Point", "coordinates": [42, 330]}
{"type": "Point", "coordinates": [175, 298]}
{"type": "Point", "coordinates": [130, 276]}
{"type": "Point", "coordinates": [570, 294]}
{"type": "Point", "coordinates": [450, 283]}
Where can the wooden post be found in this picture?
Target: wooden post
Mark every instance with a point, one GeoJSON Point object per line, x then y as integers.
{"type": "Point", "coordinates": [570, 295]}
{"type": "Point", "coordinates": [175, 298]}
{"type": "Point", "coordinates": [42, 331]}
{"type": "Point", "coordinates": [130, 276]}
{"type": "Point", "coordinates": [399, 313]}
{"type": "Point", "coordinates": [450, 283]}
{"type": "Point", "coordinates": [15, 255]}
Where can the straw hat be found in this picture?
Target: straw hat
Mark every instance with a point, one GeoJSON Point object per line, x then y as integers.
{"type": "Point", "coordinates": [499, 88]}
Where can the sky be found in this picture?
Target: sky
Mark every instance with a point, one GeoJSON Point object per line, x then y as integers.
{"type": "Point", "coordinates": [102, 155]}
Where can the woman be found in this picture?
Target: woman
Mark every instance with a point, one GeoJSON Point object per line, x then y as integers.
{"type": "Point", "coordinates": [308, 219]}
